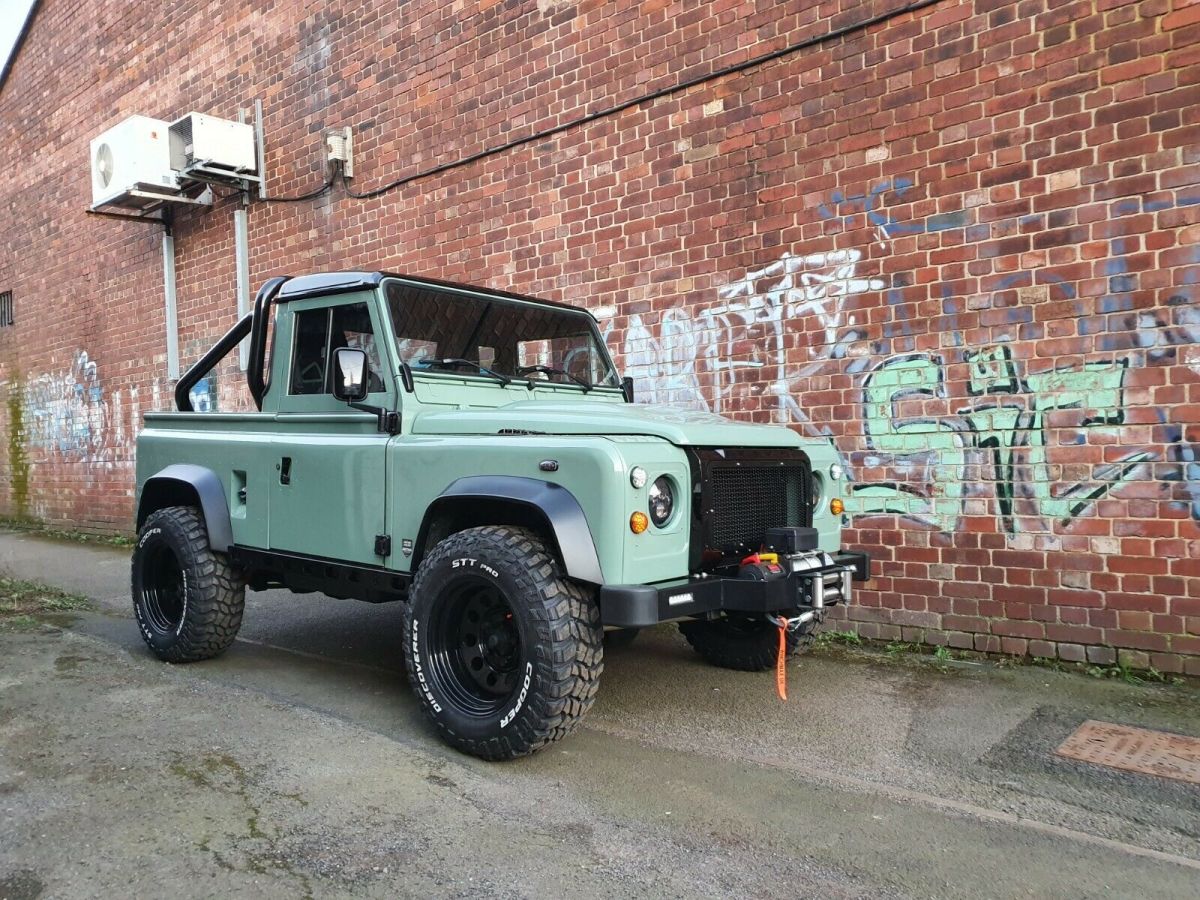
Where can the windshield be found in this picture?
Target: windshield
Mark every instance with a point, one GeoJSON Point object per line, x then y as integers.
{"type": "Point", "coordinates": [442, 330]}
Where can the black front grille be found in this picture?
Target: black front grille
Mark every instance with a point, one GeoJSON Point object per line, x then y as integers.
{"type": "Point", "coordinates": [743, 500]}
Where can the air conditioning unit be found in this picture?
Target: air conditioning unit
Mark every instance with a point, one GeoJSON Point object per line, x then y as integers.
{"type": "Point", "coordinates": [132, 156]}
{"type": "Point", "coordinates": [205, 148]}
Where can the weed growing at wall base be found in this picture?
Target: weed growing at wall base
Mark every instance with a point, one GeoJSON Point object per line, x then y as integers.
{"type": "Point", "coordinates": [61, 534]}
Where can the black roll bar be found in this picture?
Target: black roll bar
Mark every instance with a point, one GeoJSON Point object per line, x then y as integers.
{"type": "Point", "coordinates": [253, 324]}
{"type": "Point", "coordinates": [183, 388]}
{"type": "Point", "coordinates": [258, 337]}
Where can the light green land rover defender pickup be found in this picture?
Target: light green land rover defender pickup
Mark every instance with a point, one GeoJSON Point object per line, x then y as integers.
{"type": "Point", "coordinates": [474, 455]}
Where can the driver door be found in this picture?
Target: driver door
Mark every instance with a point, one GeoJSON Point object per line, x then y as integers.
{"type": "Point", "coordinates": [329, 485]}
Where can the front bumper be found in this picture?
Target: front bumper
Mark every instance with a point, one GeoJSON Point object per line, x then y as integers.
{"type": "Point", "coordinates": [811, 585]}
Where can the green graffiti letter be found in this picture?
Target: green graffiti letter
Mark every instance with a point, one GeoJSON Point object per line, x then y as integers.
{"type": "Point", "coordinates": [932, 445]}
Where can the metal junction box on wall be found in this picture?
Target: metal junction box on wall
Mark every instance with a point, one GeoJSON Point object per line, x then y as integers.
{"type": "Point", "coordinates": [133, 155]}
{"type": "Point", "coordinates": [207, 146]}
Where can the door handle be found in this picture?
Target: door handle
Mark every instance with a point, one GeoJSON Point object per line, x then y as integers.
{"type": "Point", "coordinates": [285, 470]}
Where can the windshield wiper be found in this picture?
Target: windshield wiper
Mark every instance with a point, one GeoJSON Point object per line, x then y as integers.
{"type": "Point", "coordinates": [454, 361]}
{"type": "Point", "coordinates": [550, 370]}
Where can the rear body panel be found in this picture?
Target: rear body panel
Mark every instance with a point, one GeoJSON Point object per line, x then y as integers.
{"type": "Point", "coordinates": [235, 446]}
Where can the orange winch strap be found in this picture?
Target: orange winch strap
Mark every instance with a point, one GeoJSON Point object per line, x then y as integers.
{"type": "Point", "coordinates": [781, 662]}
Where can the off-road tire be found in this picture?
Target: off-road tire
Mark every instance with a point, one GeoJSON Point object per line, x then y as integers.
{"type": "Point", "coordinates": [745, 644]}
{"type": "Point", "coordinates": [554, 643]}
{"type": "Point", "coordinates": [200, 617]}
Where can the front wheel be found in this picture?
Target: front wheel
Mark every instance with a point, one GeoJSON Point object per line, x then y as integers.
{"type": "Point", "coordinates": [746, 643]}
{"type": "Point", "coordinates": [504, 652]}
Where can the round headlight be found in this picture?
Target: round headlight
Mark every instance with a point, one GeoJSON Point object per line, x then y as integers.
{"type": "Point", "coordinates": [836, 471]}
{"type": "Point", "coordinates": [818, 483]}
{"type": "Point", "coordinates": [637, 477]}
{"type": "Point", "coordinates": [662, 501]}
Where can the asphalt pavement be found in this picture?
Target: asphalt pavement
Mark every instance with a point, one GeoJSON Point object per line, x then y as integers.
{"type": "Point", "coordinates": [298, 763]}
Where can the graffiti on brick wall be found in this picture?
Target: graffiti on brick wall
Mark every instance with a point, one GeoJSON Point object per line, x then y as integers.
{"type": "Point", "coordinates": [1031, 444]}
{"type": "Point", "coordinates": [877, 205]}
{"type": "Point", "coordinates": [72, 416]}
{"type": "Point", "coordinates": [65, 411]}
{"type": "Point", "coordinates": [1164, 334]}
{"type": "Point", "coordinates": [204, 395]}
{"type": "Point", "coordinates": [700, 359]}
{"type": "Point", "coordinates": [1008, 423]}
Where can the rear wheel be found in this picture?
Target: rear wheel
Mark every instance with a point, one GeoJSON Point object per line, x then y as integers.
{"type": "Point", "coordinates": [187, 599]}
{"type": "Point", "coordinates": [746, 643]}
{"type": "Point", "coordinates": [504, 652]}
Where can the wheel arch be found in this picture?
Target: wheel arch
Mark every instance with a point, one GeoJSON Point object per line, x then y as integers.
{"type": "Point", "coordinates": [183, 484]}
{"type": "Point", "coordinates": [514, 500]}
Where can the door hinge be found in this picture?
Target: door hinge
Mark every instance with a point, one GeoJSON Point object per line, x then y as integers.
{"type": "Point", "coordinates": [389, 422]}
{"type": "Point", "coordinates": [383, 545]}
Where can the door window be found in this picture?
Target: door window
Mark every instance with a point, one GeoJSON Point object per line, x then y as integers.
{"type": "Point", "coordinates": [311, 351]}
{"type": "Point", "coordinates": [352, 328]}
{"type": "Point", "coordinates": [318, 333]}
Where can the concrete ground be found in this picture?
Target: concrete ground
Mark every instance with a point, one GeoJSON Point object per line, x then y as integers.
{"type": "Point", "coordinates": [298, 764]}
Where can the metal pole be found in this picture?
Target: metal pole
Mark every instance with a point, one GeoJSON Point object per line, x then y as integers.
{"type": "Point", "coordinates": [168, 250]}
{"type": "Point", "coordinates": [241, 249]}
{"type": "Point", "coordinates": [260, 146]}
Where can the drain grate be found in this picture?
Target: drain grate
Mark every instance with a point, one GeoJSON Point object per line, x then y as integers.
{"type": "Point", "coordinates": [1135, 750]}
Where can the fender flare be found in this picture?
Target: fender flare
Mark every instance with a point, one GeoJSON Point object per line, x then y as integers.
{"type": "Point", "coordinates": [563, 515]}
{"type": "Point", "coordinates": [183, 478]}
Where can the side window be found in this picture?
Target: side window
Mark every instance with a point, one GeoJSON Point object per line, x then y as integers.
{"type": "Point", "coordinates": [352, 328]}
{"type": "Point", "coordinates": [311, 328]}
{"type": "Point", "coordinates": [318, 333]}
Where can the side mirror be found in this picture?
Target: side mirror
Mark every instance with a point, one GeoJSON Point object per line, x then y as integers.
{"type": "Point", "coordinates": [627, 388]}
{"type": "Point", "coordinates": [350, 374]}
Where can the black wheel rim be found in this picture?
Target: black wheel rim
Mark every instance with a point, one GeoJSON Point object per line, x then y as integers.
{"type": "Point", "coordinates": [162, 588]}
{"type": "Point", "coordinates": [475, 650]}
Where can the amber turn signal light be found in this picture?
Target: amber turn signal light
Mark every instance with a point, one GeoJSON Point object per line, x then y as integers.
{"type": "Point", "coordinates": [836, 506]}
{"type": "Point", "coordinates": [639, 522]}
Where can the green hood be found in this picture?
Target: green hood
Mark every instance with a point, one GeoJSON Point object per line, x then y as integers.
{"type": "Point", "coordinates": [677, 425]}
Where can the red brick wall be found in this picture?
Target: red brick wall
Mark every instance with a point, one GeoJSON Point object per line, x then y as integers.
{"type": "Point", "coordinates": [963, 241]}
